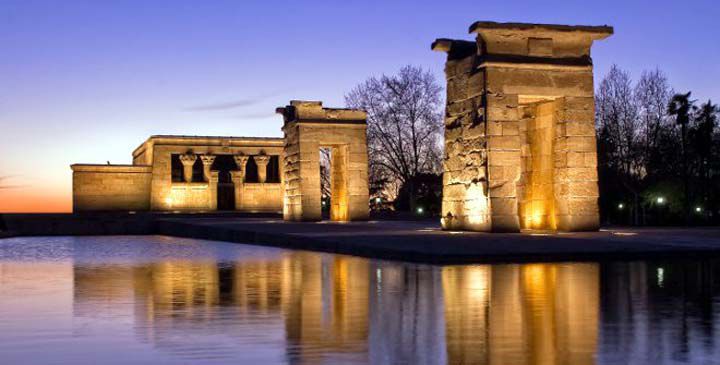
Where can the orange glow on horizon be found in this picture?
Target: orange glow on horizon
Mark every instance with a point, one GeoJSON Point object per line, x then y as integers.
{"type": "Point", "coordinates": [34, 201]}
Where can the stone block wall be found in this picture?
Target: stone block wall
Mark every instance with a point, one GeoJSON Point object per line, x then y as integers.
{"type": "Point", "coordinates": [309, 127]}
{"type": "Point", "coordinates": [167, 195]}
{"type": "Point", "coordinates": [111, 187]}
{"type": "Point", "coordinates": [465, 203]}
{"type": "Point", "coordinates": [193, 196]}
{"type": "Point", "coordinates": [259, 197]}
{"type": "Point", "coordinates": [520, 149]}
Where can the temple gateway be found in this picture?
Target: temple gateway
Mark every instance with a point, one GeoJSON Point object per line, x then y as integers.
{"type": "Point", "coordinates": [247, 174]}
{"type": "Point", "coordinates": [520, 150]}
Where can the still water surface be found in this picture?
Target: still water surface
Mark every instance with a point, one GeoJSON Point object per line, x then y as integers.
{"type": "Point", "coordinates": [157, 300]}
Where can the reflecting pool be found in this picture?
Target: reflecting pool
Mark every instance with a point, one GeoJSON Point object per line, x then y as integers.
{"type": "Point", "coordinates": [157, 300]}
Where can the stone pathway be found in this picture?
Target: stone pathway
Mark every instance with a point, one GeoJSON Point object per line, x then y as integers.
{"type": "Point", "coordinates": [425, 242]}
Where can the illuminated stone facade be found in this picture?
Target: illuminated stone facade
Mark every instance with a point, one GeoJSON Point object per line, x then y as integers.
{"type": "Point", "coordinates": [187, 173]}
{"type": "Point", "coordinates": [184, 173]}
{"type": "Point", "coordinates": [308, 128]}
{"type": "Point", "coordinates": [520, 150]}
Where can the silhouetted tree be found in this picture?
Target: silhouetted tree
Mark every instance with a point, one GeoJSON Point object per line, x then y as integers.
{"type": "Point", "coordinates": [680, 107]}
{"type": "Point", "coordinates": [619, 133]}
{"type": "Point", "coordinates": [427, 193]}
{"type": "Point", "coordinates": [704, 146]}
{"type": "Point", "coordinates": [652, 94]}
{"type": "Point", "coordinates": [404, 125]}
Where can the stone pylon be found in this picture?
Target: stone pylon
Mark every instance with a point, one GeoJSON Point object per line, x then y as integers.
{"type": "Point", "coordinates": [520, 148]}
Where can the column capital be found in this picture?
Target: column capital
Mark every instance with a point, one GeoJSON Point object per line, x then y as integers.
{"type": "Point", "coordinates": [207, 159]}
{"type": "Point", "coordinates": [241, 160]}
{"type": "Point", "coordinates": [188, 159]}
{"type": "Point", "coordinates": [261, 160]}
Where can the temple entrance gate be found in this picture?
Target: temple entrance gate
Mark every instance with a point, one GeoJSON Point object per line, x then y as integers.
{"type": "Point", "coordinates": [308, 127]}
{"type": "Point", "coordinates": [520, 150]}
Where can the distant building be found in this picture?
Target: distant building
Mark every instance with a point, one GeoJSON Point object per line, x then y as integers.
{"type": "Point", "coordinates": [186, 173]}
{"type": "Point", "coordinates": [248, 174]}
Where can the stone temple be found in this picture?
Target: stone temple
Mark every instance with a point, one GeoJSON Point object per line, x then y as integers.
{"type": "Point", "coordinates": [520, 150]}
{"type": "Point", "coordinates": [247, 174]}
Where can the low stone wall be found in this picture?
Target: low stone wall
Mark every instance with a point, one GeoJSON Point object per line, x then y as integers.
{"type": "Point", "coordinates": [259, 197]}
{"type": "Point", "coordinates": [192, 196]}
{"type": "Point", "coordinates": [111, 187]}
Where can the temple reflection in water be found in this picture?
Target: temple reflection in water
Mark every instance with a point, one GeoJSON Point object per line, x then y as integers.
{"type": "Point", "coordinates": [318, 307]}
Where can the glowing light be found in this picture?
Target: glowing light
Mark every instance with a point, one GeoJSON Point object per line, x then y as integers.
{"type": "Point", "coordinates": [419, 210]}
{"type": "Point", "coordinates": [660, 200]}
{"type": "Point", "coordinates": [168, 201]}
{"type": "Point", "coordinates": [624, 233]}
{"type": "Point", "coordinates": [660, 276]}
{"type": "Point", "coordinates": [698, 209]}
{"type": "Point", "coordinates": [621, 206]}
{"type": "Point", "coordinates": [378, 200]}
{"type": "Point", "coordinates": [323, 203]}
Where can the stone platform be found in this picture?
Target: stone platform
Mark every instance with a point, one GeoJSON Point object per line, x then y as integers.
{"type": "Point", "coordinates": [420, 241]}
{"type": "Point", "coordinates": [417, 241]}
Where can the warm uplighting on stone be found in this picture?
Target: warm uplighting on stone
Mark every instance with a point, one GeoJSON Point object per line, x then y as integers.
{"type": "Point", "coordinates": [308, 128]}
{"type": "Point", "coordinates": [183, 173]}
{"type": "Point", "coordinates": [519, 130]}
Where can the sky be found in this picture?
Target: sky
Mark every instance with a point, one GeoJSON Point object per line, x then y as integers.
{"type": "Point", "coordinates": [88, 81]}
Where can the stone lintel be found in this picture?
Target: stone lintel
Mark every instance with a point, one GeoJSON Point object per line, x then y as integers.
{"type": "Point", "coordinates": [601, 31]}
{"type": "Point", "coordinates": [537, 43]}
{"type": "Point", "coordinates": [313, 112]}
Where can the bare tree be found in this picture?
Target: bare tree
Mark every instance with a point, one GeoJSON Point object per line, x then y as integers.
{"type": "Point", "coordinates": [652, 94]}
{"type": "Point", "coordinates": [404, 125]}
{"type": "Point", "coordinates": [619, 128]}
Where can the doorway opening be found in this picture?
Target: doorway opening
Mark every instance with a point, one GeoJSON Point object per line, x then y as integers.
{"type": "Point", "coordinates": [223, 164]}
{"type": "Point", "coordinates": [334, 182]}
{"type": "Point", "coordinates": [537, 203]}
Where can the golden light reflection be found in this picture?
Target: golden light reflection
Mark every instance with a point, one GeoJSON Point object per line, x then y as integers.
{"type": "Point", "coordinates": [330, 305]}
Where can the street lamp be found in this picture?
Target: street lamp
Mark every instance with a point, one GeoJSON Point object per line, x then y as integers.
{"type": "Point", "coordinates": [621, 206]}
{"type": "Point", "coordinates": [419, 210]}
{"type": "Point", "coordinates": [660, 200]}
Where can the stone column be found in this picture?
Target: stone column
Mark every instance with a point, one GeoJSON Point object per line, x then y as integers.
{"type": "Point", "coordinates": [261, 161]}
{"type": "Point", "coordinates": [207, 161]}
{"type": "Point", "coordinates": [212, 189]}
{"type": "Point", "coordinates": [241, 161]}
{"type": "Point", "coordinates": [238, 177]}
{"type": "Point", "coordinates": [188, 160]}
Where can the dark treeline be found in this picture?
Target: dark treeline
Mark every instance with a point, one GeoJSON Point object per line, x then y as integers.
{"type": "Point", "coordinates": [658, 152]}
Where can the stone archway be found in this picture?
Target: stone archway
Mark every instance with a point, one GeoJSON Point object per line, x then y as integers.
{"type": "Point", "coordinates": [308, 127]}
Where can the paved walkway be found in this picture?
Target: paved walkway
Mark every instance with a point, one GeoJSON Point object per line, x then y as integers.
{"type": "Point", "coordinates": [425, 242]}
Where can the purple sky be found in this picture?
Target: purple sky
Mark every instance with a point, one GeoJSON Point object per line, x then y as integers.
{"type": "Point", "coordinates": [87, 81]}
